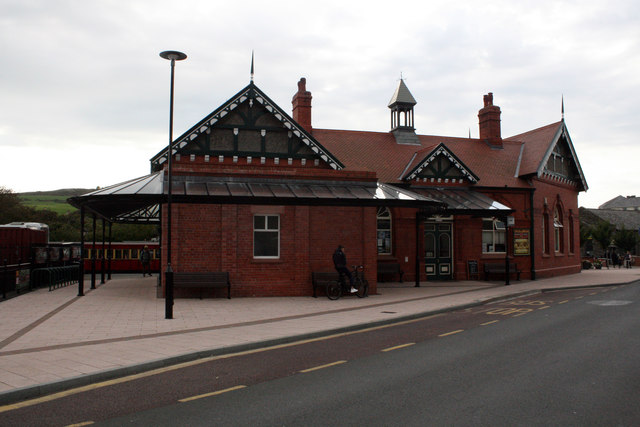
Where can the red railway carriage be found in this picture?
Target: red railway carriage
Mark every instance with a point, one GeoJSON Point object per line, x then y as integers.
{"type": "Point", "coordinates": [125, 256]}
{"type": "Point", "coordinates": [17, 239]}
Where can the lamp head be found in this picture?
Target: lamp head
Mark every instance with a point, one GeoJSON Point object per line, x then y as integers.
{"type": "Point", "coordinates": [173, 55]}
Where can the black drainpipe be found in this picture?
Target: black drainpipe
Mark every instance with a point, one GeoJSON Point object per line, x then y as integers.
{"type": "Point", "coordinates": [418, 218]}
{"type": "Point", "coordinates": [532, 246]}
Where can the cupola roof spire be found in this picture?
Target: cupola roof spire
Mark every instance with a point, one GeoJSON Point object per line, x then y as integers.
{"type": "Point", "coordinates": [401, 106]}
{"type": "Point", "coordinates": [251, 66]}
{"type": "Point", "coordinates": [402, 95]}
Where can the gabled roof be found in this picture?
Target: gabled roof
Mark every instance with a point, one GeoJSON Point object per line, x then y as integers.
{"type": "Point", "coordinates": [402, 95]}
{"type": "Point", "coordinates": [379, 152]}
{"type": "Point", "coordinates": [249, 94]}
{"type": "Point", "coordinates": [424, 158]}
{"type": "Point", "coordinates": [539, 145]}
{"type": "Point", "coordinates": [519, 157]}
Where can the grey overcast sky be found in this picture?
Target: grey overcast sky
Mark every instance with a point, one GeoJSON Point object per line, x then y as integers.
{"type": "Point", "coordinates": [85, 96]}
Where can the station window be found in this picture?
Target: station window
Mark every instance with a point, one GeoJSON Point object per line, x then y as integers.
{"type": "Point", "coordinates": [557, 229]}
{"type": "Point", "coordinates": [266, 236]}
{"type": "Point", "coordinates": [384, 231]}
{"type": "Point", "coordinates": [571, 237]}
{"type": "Point", "coordinates": [493, 236]}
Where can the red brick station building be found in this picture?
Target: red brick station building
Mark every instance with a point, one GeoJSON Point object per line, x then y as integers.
{"type": "Point", "coordinates": [267, 197]}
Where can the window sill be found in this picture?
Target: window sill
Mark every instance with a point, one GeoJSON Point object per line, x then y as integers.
{"type": "Point", "coordinates": [266, 260]}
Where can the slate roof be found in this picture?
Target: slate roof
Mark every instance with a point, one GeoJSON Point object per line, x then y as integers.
{"type": "Point", "coordinates": [622, 203]}
{"type": "Point", "coordinates": [402, 95]}
{"type": "Point", "coordinates": [629, 220]}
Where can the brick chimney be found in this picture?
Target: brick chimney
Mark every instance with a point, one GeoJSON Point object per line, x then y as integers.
{"type": "Point", "coordinates": [489, 119]}
{"type": "Point", "coordinates": [302, 105]}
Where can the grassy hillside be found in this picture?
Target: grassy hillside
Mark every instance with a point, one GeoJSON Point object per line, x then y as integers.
{"type": "Point", "coordinates": [55, 201]}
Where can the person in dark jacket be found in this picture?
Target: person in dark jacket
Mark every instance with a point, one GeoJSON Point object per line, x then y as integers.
{"type": "Point", "coordinates": [340, 263]}
{"type": "Point", "coordinates": [145, 259]}
{"type": "Point", "coordinates": [615, 260]}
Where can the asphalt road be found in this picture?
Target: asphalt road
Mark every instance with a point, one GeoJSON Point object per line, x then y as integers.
{"type": "Point", "coordinates": [564, 358]}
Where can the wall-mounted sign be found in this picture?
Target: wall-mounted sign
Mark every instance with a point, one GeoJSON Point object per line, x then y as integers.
{"type": "Point", "coordinates": [521, 242]}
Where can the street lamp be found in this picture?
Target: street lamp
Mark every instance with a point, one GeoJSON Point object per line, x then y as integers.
{"type": "Point", "coordinates": [173, 56]}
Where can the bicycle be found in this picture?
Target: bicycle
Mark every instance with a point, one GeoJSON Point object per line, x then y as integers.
{"type": "Point", "coordinates": [342, 285]}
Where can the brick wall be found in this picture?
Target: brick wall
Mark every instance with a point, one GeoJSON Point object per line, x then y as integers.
{"type": "Point", "coordinates": [220, 238]}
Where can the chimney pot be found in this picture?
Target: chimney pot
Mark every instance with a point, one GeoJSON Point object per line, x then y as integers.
{"type": "Point", "coordinates": [489, 120]}
{"type": "Point", "coordinates": [302, 106]}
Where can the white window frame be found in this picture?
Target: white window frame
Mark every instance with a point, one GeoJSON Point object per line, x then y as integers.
{"type": "Point", "coordinates": [266, 229]}
{"type": "Point", "coordinates": [497, 228]}
{"type": "Point", "coordinates": [384, 213]}
{"type": "Point", "coordinates": [557, 231]}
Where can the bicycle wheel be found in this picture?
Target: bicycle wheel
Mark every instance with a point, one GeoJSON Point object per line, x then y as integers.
{"type": "Point", "coordinates": [334, 291]}
{"type": "Point", "coordinates": [363, 288]}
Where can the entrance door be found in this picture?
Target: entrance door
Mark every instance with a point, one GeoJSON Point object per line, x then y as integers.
{"type": "Point", "coordinates": [437, 250]}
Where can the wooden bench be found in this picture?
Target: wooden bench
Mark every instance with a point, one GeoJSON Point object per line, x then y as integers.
{"type": "Point", "coordinates": [389, 268]}
{"type": "Point", "coordinates": [323, 279]}
{"type": "Point", "coordinates": [498, 269]}
{"type": "Point", "coordinates": [203, 281]}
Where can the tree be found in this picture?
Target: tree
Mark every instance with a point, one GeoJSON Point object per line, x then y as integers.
{"type": "Point", "coordinates": [625, 239]}
{"type": "Point", "coordinates": [11, 207]}
{"type": "Point", "coordinates": [602, 233]}
{"type": "Point", "coordinates": [585, 233]}
{"type": "Point", "coordinates": [66, 227]}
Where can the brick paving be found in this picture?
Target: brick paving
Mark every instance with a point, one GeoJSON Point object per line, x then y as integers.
{"type": "Point", "coordinates": [50, 341]}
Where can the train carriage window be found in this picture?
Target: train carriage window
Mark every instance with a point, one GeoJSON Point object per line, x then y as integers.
{"type": "Point", "coordinates": [118, 253]}
{"type": "Point", "coordinates": [126, 254]}
{"type": "Point", "coordinates": [134, 253]}
{"type": "Point", "coordinates": [156, 253]}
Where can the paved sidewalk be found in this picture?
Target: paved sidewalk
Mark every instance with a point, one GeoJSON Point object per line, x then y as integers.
{"type": "Point", "coordinates": [50, 341]}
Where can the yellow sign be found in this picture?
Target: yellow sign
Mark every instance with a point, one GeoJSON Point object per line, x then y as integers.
{"type": "Point", "coordinates": [521, 241]}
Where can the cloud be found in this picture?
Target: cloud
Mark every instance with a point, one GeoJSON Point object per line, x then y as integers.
{"type": "Point", "coordinates": [82, 80]}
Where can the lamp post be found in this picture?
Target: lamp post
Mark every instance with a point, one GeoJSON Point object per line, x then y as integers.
{"type": "Point", "coordinates": [172, 56]}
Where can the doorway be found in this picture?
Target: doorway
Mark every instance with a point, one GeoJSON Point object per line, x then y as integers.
{"type": "Point", "coordinates": [438, 250]}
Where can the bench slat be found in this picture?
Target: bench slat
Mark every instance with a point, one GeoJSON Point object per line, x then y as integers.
{"type": "Point", "coordinates": [494, 268]}
{"type": "Point", "coordinates": [202, 280]}
{"type": "Point", "coordinates": [390, 268]}
{"type": "Point", "coordinates": [321, 278]}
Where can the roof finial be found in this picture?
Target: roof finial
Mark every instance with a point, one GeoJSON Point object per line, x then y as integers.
{"type": "Point", "coordinates": [252, 65]}
{"type": "Point", "coordinates": [469, 133]}
{"type": "Point", "coordinates": [563, 107]}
